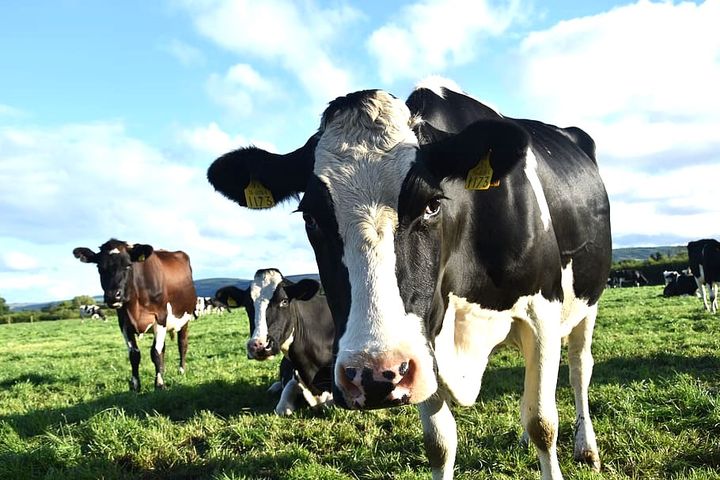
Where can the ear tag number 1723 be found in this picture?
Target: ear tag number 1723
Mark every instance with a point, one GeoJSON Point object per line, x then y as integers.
{"type": "Point", "coordinates": [257, 196]}
{"type": "Point", "coordinates": [480, 176]}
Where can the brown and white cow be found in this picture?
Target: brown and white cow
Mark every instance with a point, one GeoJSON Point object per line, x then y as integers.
{"type": "Point", "coordinates": [442, 229]}
{"type": "Point", "coordinates": [151, 290]}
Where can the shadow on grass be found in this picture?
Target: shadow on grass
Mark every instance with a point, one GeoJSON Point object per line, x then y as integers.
{"type": "Point", "coordinates": [178, 403]}
{"type": "Point", "coordinates": [615, 371]}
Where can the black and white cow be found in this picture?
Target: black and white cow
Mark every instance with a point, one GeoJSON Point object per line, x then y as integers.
{"type": "Point", "coordinates": [301, 326]}
{"type": "Point", "coordinates": [442, 229]}
{"type": "Point", "coordinates": [208, 305]}
{"type": "Point", "coordinates": [627, 277]}
{"type": "Point", "coordinates": [92, 311]}
{"type": "Point", "coordinates": [704, 256]}
{"type": "Point", "coordinates": [279, 311]}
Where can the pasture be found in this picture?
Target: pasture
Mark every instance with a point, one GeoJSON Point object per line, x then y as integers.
{"type": "Point", "coordinates": [66, 412]}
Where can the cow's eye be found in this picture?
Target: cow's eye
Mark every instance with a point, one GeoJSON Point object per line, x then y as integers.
{"type": "Point", "coordinates": [431, 209]}
{"type": "Point", "coordinates": [284, 302]}
{"type": "Point", "coordinates": [310, 223]}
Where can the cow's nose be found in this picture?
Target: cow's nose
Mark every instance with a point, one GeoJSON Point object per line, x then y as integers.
{"type": "Point", "coordinates": [258, 349]}
{"type": "Point", "coordinates": [118, 294]}
{"type": "Point", "coordinates": [378, 383]}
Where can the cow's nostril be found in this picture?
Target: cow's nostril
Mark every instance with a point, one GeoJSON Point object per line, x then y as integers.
{"type": "Point", "coordinates": [389, 374]}
{"type": "Point", "coordinates": [403, 370]}
{"type": "Point", "coordinates": [350, 373]}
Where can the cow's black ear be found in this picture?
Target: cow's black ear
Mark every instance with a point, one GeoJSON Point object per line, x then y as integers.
{"type": "Point", "coordinates": [85, 255]}
{"type": "Point", "coordinates": [503, 143]}
{"type": "Point", "coordinates": [139, 252]}
{"type": "Point", "coordinates": [255, 178]}
{"type": "Point", "coordinates": [303, 290]}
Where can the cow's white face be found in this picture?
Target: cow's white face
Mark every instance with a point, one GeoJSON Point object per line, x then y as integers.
{"type": "Point", "coordinates": [261, 291]}
{"type": "Point", "coordinates": [362, 158]}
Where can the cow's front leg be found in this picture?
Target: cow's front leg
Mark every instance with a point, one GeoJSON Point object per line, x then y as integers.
{"type": "Point", "coordinates": [540, 344]}
{"type": "Point", "coordinates": [439, 435]}
{"type": "Point", "coordinates": [581, 365]}
{"type": "Point", "coordinates": [128, 334]}
{"type": "Point", "coordinates": [183, 346]}
{"type": "Point", "coordinates": [157, 353]}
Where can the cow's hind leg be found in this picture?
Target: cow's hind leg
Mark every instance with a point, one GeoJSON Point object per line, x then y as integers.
{"type": "Point", "coordinates": [157, 353]}
{"type": "Point", "coordinates": [439, 436]}
{"type": "Point", "coordinates": [581, 365]}
{"type": "Point", "coordinates": [183, 346]}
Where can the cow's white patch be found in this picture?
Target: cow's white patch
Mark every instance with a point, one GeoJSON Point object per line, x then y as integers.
{"type": "Point", "coordinates": [261, 291]}
{"type": "Point", "coordinates": [285, 347]}
{"type": "Point", "coordinates": [532, 176]}
{"type": "Point", "coordinates": [173, 323]}
{"type": "Point", "coordinates": [114, 251]}
{"type": "Point", "coordinates": [286, 405]}
{"type": "Point", "coordinates": [362, 157]}
{"type": "Point", "coordinates": [436, 84]}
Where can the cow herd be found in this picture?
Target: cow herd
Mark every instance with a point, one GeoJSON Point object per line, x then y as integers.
{"type": "Point", "coordinates": [441, 230]}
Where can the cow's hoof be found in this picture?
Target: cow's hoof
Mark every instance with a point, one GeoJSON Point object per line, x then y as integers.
{"type": "Point", "coordinates": [589, 458]}
{"type": "Point", "coordinates": [181, 370]}
{"type": "Point", "coordinates": [525, 439]}
{"type": "Point", "coordinates": [134, 386]}
{"type": "Point", "coordinates": [159, 386]}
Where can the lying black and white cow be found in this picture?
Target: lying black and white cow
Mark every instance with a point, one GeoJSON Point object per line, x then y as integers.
{"type": "Point", "coordinates": [92, 311]}
{"type": "Point", "coordinates": [704, 256]}
{"type": "Point", "coordinates": [442, 229]}
{"type": "Point", "coordinates": [208, 305]}
{"type": "Point", "coordinates": [300, 326]}
{"type": "Point", "coordinates": [280, 312]}
{"type": "Point", "coordinates": [677, 284]}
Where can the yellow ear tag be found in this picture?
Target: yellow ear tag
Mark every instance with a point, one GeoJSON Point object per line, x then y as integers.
{"type": "Point", "coordinates": [480, 176]}
{"type": "Point", "coordinates": [232, 303]}
{"type": "Point", "coordinates": [257, 196]}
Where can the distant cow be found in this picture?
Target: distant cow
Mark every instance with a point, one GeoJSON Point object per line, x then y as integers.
{"type": "Point", "coordinates": [704, 258]}
{"type": "Point", "coordinates": [151, 289]}
{"type": "Point", "coordinates": [628, 278]}
{"type": "Point", "coordinates": [442, 229]}
{"type": "Point", "coordinates": [92, 311]}
{"type": "Point", "coordinates": [300, 326]}
{"type": "Point", "coordinates": [208, 305]}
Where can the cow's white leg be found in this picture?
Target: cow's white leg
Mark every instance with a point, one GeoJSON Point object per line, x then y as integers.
{"type": "Point", "coordinates": [439, 435]}
{"type": "Point", "coordinates": [541, 345]}
{"type": "Point", "coordinates": [581, 365]}
{"type": "Point", "coordinates": [157, 351]}
{"type": "Point", "coordinates": [701, 285]}
{"type": "Point", "coordinates": [286, 406]}
{"type": "Point", "coordinates": [713, 296]}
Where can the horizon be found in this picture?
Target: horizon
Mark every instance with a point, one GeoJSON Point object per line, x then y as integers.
{"type": "Point", "coordinates": [111, 113]}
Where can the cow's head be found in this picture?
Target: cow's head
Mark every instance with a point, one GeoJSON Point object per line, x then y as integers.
{"type": "Point", "coordinates": [115, 264]}
{"type": "Point", "coordinates": [282, 314]}
{"type": "Point", "coordinates": [384, 216]}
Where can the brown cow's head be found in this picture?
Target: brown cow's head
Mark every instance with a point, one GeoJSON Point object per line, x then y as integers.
{"type": "Point", "coordinates": [114, 262]}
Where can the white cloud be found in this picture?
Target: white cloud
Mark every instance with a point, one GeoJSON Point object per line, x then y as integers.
{"type": "Point", "coordinates": [238, 87]}
{"type": "Point", "coordinates": [298, 36]}
{"type": "Point", "coordinates": [656, 64]}
{"type": "Point", "coordinates": [79, 185]}
{"type": "Point", "coordinates": [186, 54]}
{"type": "Point", "coordinates": [431, 35]}
{"type": "Point", "coordinates": [211, 139]}
{"type": "Point", "coordinates": [17, 261]}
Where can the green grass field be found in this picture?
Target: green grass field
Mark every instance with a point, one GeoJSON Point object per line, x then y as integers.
{"type": "Point", "coordinates": [66, 412]}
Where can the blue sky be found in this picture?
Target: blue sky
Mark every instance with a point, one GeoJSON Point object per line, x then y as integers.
{"type": "Point", "coordinates": [111, 112]}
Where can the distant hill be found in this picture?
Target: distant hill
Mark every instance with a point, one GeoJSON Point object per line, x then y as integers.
{"type": "Point", "coordinates": [205, 287]}
{"type": "Point", "coordinates": [643, 253]}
